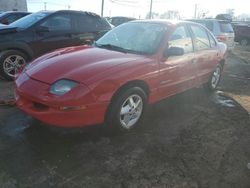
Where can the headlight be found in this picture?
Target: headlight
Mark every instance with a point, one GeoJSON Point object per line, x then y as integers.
{"type": "Point", "coordinates": [62, 86]}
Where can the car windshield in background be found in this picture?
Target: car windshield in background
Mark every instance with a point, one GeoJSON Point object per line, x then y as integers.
{"type": "Point", "coordinates": [141, 38]}
{"type": "Point", "coordinates": [29, 20]}
{"type": "Point", "coordinates": [226, 27]}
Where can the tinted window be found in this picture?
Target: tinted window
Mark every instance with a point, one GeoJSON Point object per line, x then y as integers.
{"type": "Point", "coordinates": [29, 20]}
{"type": "Point", "coordinates": [226, 27]}
{"type": "Point", "coordinates": [201, 38]}
{"type": "Point", "coordinates": [11, 18]}
{"type": "Point", "coordinates": [88, 23]}
{"type": "Point", "coordinates": [58, 22]}
{"type": "Point", "coordinates": [181, 38]}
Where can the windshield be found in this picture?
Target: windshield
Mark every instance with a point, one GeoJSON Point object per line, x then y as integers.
{"type": "Point", "coordinates": [226, 27]}
{"type": "Point", "coordinates": [142, 38]}
{"type": "Point", "coordinates": [29, 20]}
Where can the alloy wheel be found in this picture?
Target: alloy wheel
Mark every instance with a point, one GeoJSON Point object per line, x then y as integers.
{"type": "Point", "coordinates": [12, 64]}
{"type": "Point", "coordinates": [131, 111]}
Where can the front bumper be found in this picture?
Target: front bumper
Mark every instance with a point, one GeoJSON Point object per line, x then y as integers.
{"type": "Point", "coordinates": [71, 110]}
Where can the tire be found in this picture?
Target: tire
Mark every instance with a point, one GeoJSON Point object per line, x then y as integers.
{"type": "Point", "coordinates": [10, 62]}
{"type": "Point", "coordinates": [214, 79]}
{"type": "Point", "coordinates": [126, 110]}
{"type": "Point", "coordinates": [244, 42]}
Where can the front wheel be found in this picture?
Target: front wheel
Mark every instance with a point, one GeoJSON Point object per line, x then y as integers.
{"type": "Point", "coordinates": [126, 109]}
{"type": "Point", "coordinates": [11, 62]}
{"type": "Point", "coordinates": [214, 79]}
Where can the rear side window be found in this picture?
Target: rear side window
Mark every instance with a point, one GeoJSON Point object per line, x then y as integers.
{"type": "Point", "coordinates": [226, 27]}
{"type": "Point", "coordinates": [200, 38]}
{"type": "Point", "coordinates": [88, 23]}
{"type": "Point", "coordinates": [58, 23]}
{"type": "Point", "coordinates": [181, 38]}
{"type": "Point", "coordinates": [11, 18]}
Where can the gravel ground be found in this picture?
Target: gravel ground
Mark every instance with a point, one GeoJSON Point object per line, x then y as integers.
{"type": "Point", "coordinates": [192, 140]}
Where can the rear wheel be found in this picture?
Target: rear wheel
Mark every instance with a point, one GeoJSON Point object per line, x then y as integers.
{"type": "Point", "coordinates": [126, 109]}
{"type": "Point", "coordinates": [214, 79]}
{"type": "Point", "coordinates": [11, 62]}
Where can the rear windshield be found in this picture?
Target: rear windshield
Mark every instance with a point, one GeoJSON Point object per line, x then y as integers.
{"type": "Point", "coordinates": [226, 27]}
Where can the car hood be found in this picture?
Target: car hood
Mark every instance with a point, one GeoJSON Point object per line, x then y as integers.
{"type": "Point", "coordinates": [77, 63]}
{"type": "Point", "coordinates": [4, 29]}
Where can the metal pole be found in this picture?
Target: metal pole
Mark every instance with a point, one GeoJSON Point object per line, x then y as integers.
{"type": "Point", "coordinates": [45, 5]}
{"type": "Point", "coordinates": [102, 7]}
{"type": "Point", "coordinates": [195, 10]}
{"type": "Point", "coordinates": [150, 12]}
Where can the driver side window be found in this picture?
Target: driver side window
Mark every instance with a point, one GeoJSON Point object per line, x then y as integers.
{"type": "Point", "coordinates": [182, 39]}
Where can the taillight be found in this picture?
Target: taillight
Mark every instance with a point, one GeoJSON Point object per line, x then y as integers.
{"type": "Point", "coordinates": [221, 38]}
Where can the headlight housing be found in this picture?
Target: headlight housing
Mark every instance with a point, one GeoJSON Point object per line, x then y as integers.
{"type": "Point", "coordinates": [61, 87]}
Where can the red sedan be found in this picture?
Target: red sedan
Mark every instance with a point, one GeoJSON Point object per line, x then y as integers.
{"type": "Point", "coordinates": [112, 81]}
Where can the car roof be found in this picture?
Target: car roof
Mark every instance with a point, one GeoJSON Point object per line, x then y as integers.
{"type": "Point", "coordinates": [164, 21]}
{"type": "Point", "coordinates": [72, 11]}
{"type": "Point", "coordinates": [122, 17]}
{"type": "Point", "coordinates": [15, 12]}
{"type": "Point", "coordinates": [209, 19]}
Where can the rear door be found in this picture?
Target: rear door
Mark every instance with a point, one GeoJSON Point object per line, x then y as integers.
{"type": "Point", "coordinates": [56, 33]}
{"type": "Point", "coordinates": [177, 73]}
{"type": "Point", "coordinates": [206, 54]}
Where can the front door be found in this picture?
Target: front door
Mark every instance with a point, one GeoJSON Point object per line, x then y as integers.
{"type": "Point", "coordinates": [53, 33]}
{"type": "Point", "coordinates": [178, 73]}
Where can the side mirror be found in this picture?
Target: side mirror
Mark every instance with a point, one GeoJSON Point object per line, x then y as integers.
{"type": "Point", "coordinates": [174, 51]}
{"type": "Point", "coordinates": [42, 29]}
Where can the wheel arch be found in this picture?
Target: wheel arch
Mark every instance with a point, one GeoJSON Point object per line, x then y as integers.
{"type": "Point", "coordinates": [22, 47]}
{"type": "Point", "coordinates": [133, 83]}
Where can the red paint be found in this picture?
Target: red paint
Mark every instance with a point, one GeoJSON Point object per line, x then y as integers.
{"type": "Point", "coordinates": [101, 73]}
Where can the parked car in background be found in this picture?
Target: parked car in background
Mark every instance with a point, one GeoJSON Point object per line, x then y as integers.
{"type": "Point", "coordinates": [221, 29]}
{"type": "Point", "coordinates": [242, 34]}
{"type": "Point", "coordinates": [42, 32]}
{"type": "Point", "coordinates": [226, 17]}
{"type": "Point", "coordinates": [118, 20]}
{"type": "Point", "coordinates": [11, 16]}
{"type": "Point", "coordinates": [135, 64]}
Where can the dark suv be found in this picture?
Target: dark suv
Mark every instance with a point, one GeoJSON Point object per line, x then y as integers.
{"type": "Point", "coordinates": [41, 32]}
{"type": "Point", "coordinates": [118, 20]}
{"type": "Point", "coordinates": [242, 34]}
{"type": "Point", "coordinates": [11, 16]}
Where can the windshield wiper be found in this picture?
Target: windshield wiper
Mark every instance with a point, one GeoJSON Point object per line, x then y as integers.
{"type": "Point", "coordinates": [113, 47]}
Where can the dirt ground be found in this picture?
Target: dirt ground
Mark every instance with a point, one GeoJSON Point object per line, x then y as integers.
{"type": "Point", "coordinates": [193, 140]}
